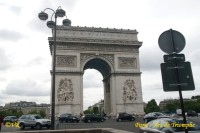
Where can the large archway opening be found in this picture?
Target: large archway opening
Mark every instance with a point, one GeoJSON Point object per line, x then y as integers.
{"type": "Point", "coordinates": [96, 85]}
{"type": "Point", "coordinates": [93, 91]}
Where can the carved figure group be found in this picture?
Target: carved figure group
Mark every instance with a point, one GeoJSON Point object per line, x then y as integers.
{"type": "Point", "coordinates": [129, 91]}
{"type": "Point", "coordinates": [65, 90]}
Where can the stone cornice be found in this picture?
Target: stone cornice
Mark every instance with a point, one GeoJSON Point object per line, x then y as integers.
{"type": "Point", "coordinates": [95, 41]}
{"type": "Point", "coordinates": [67, 72]}
{"type": "Point", "coordinates": [95, 36]}
{"type": "Point", "coordinates": [86, 44]}
{"type": "Point", "coordinates": [122, 74]}
{"type": "Point", "coordinates": [97, 29]}
{"type": "Point", "coordinates": [81, 72]}
{"type": "Point", "coordinates": [127, 73]}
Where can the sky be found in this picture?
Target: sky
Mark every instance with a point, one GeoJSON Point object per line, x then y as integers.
{"type": "Point", "coordinates": [25, 59]}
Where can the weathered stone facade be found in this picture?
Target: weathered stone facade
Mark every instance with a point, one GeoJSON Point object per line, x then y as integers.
{"type": "Point", "coordinates": [113, 52]}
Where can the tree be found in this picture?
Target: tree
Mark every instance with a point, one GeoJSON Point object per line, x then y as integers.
{"type": "Point", "coordinates": [42, 113]}
{"type": "Point", "coordinates": [173, 106]}
{"type": "Point", "coordinates": [152, 106]}
{"type": "Point", "coordinates": [188, 105]}
{"type": "Point", "coordinates": [33, 112]}
{"type": "Point", "coordinates": [14, 112]}
{"type": "Point", "coordinates": [19, 113]}
{"type": "Point", "coordinates": [88, 111]}
{"type": "Point", "coordinates": [195, 97]}
{"type": "Point", "coordinates": [96, 110]}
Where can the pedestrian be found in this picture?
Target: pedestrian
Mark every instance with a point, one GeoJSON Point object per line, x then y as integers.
{"type": "Point", "coordinates": [81, 115]}
{"type": "Point", "coordinates": [1, 121]}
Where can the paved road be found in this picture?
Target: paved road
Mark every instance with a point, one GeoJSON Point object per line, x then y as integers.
{"type": "Point", "coordinates": [110, 123]}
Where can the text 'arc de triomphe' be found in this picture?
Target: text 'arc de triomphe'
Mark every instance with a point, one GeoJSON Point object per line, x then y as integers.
{"type": "Point", "coordinates": [113, 52]}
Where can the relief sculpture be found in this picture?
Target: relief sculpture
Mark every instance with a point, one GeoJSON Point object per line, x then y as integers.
{"type": "Point", "coordinates": [127, 62]}
{"type": "Point", "coordinates": [68, 61]}
{"type": "Point", "coordinates": [109, 57]}
{"type": "Point", "coordinates": [129, 91]}
{"type": "Point", "coordinates": [65, 91]}
{"type": "Point", "coordinates": [85, 56]}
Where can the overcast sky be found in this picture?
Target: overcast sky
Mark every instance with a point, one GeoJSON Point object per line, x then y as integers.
{"type": "Point", "coordinates": [25, 58]}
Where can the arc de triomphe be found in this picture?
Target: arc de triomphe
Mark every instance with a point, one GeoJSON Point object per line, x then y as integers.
{"type": "Point", "coordinates": [113, 52]}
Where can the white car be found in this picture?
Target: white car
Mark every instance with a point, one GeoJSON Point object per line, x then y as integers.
{"type": "Point", "coordinates": [170, 125]}
{"type": "Point", "coordinates": [34, 120]}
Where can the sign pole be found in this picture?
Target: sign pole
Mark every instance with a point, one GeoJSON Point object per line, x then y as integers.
{"type": "Point", "coordinates": [179, 85]}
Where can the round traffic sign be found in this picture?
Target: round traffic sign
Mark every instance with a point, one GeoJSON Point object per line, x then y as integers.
{"type": "Point", "coordinates": [171, 41]}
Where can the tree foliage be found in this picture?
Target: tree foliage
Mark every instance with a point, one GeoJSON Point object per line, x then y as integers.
{"type": "Point", "coordinates": [34, 111]}
{"type": "Point", "coordinates": [195, 97]}
{"type": "Point", "coordinates": [40, 112]}
{"type": "Point", "coordinates": [152, 107]}
{"type": "Point", "coordinates": [96, 110]}
{"type": "Point", "coordinates": [188, 105]}
{"type": "Point", "coordinates": [88, 111]}
{"type": "Point", "coordinates": [172, 106]}
{"type": "Point", "coordinates": [12, 112]}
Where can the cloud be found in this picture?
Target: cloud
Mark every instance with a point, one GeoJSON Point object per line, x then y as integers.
{"type": "Point", "coordinates": [5, 61]}
{"type": "Point", "coordinates": [150, 59]}
{"type": "Point", "coordinates": [15, 9]}
{"type": "Point", "coordinates": [36, 61]}
{"type": "Point", "coordinates": [10, 35]}
{"type": "Point", "coordinates": [26, 88]}
{"type": "Point", "coordinates": [193, 57]}
{"type": "Point", "coordinates": [92, 79]}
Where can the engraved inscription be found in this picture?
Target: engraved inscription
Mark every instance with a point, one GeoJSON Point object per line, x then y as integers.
{"type": "Point", "coordinates": [66, 61]}
{"type": "Point", "coordinates": [127, 62]}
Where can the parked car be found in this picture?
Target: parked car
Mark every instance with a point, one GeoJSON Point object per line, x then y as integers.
{"type": "Point", "coordinates": [68, 118]}
{"type": "Point", "coordinates": [170, 125]}
{"type": "Point", "coordinates": [125, 116]}
{"type": "Point", "coordinates": [191, 113]}
{"type": "Point", "coordinates": [65, 115]}
{"type": "Point", "coordinates": [92, 118]}
{"type": "Point", "coordinates": [153, 115]}
{"type": "Point", "coordinates": [10, 119]}
{"type": "Point", "coordinates": [34, 120]}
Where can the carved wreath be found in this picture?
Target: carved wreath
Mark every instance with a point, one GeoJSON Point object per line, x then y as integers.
{"type": "Point", "coordinates": [129, 91]}
{"type": "Point", "coordinates": [65, 91]}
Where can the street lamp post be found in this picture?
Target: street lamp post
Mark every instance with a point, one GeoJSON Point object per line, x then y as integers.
{"type": "Point", "coordinates": [53, 24]}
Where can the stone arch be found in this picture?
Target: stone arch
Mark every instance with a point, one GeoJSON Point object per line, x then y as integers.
{"type": "Point", "coordinates": [91, 61]}
{"type": "Point", "coordinates": [113, 52]}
